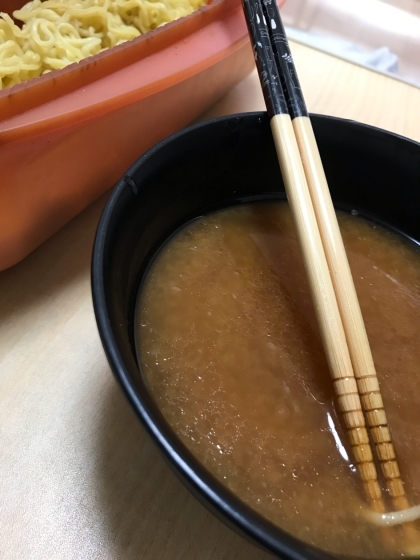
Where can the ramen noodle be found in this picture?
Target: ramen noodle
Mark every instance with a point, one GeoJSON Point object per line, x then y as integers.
{"type": "Point", "coordinates": [56, 33]}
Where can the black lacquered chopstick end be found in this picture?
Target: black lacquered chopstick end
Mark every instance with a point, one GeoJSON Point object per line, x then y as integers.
{"type": "Point", "coordinates": [284, 60]}
{"type": "Point", "coordinates": [264, 58]}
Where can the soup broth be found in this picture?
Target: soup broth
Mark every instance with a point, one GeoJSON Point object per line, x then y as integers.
{"type": "Point", "coordinates": [229, 346]}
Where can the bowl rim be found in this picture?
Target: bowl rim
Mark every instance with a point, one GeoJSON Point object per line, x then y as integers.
{"type": "Point", "coordinates": [255, 527]}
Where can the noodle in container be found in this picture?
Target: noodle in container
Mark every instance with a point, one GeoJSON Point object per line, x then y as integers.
{"type": "Point", "coordinates": [68, 135]}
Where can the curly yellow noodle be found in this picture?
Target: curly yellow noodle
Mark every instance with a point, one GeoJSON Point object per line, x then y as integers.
{"type": "Point", "coordinates": [56, 33]}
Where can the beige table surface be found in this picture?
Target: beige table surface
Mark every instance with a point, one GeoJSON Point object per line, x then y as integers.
{"type": "Point", "coordinates": [79, 478]}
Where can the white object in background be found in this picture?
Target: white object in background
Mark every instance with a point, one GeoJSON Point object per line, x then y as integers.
{"type": "Point", "coordinates": [381, 59]}
{"type": "Point", "coordinates": [379, 15]}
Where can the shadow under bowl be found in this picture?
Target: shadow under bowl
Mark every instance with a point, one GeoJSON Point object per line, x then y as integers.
{"type": "Point", "coordinates": [227, 161]}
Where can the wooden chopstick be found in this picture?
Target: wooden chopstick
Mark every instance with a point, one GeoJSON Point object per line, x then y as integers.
{"type": "Point", "coordinates": [333, 293]}
{"type": "Point", "coordinates": [354, 327]}
{"type": "Point", "coordinates": [320, 282]}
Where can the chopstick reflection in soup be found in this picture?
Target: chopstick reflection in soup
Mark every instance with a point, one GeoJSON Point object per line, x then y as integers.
{"type": "Point", "coordinates": [56, 33]}
{"type": "Point", "coordinates": [229, 346]}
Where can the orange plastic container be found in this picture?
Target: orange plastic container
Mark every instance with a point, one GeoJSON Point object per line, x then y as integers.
{"type": "Point", "coordinates": [66, 138]}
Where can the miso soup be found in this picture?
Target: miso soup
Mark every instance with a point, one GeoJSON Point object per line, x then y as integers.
{"type": "Point", "coordinates": [229, 346]}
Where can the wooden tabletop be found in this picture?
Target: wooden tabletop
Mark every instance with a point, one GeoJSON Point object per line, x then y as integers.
{"type": "Point", "coordinates": [79, 478]}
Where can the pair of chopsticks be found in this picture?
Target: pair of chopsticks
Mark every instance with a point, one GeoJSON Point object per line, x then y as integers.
{"type": "Point", "coordinates": [337, 308]}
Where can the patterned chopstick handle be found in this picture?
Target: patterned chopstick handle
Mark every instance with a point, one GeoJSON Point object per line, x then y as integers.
{"type": "Point", "coordinates": [264, 58]}
{"type": "Point", "coordinates": [284, 60]}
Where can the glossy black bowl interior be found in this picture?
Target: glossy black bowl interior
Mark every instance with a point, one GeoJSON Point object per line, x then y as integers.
{"type": "Point", "coordinates": [228, 161]}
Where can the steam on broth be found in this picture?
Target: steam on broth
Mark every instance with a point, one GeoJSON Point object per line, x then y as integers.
{"type": "Point", "coordinates": [229, 347]}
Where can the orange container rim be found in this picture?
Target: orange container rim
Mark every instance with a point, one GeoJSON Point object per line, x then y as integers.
{"type": "Point", "coordinates": [35, 92]}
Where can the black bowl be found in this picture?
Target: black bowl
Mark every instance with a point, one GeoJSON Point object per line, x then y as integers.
{"type": "Point", "coordinates": [228, 161]}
